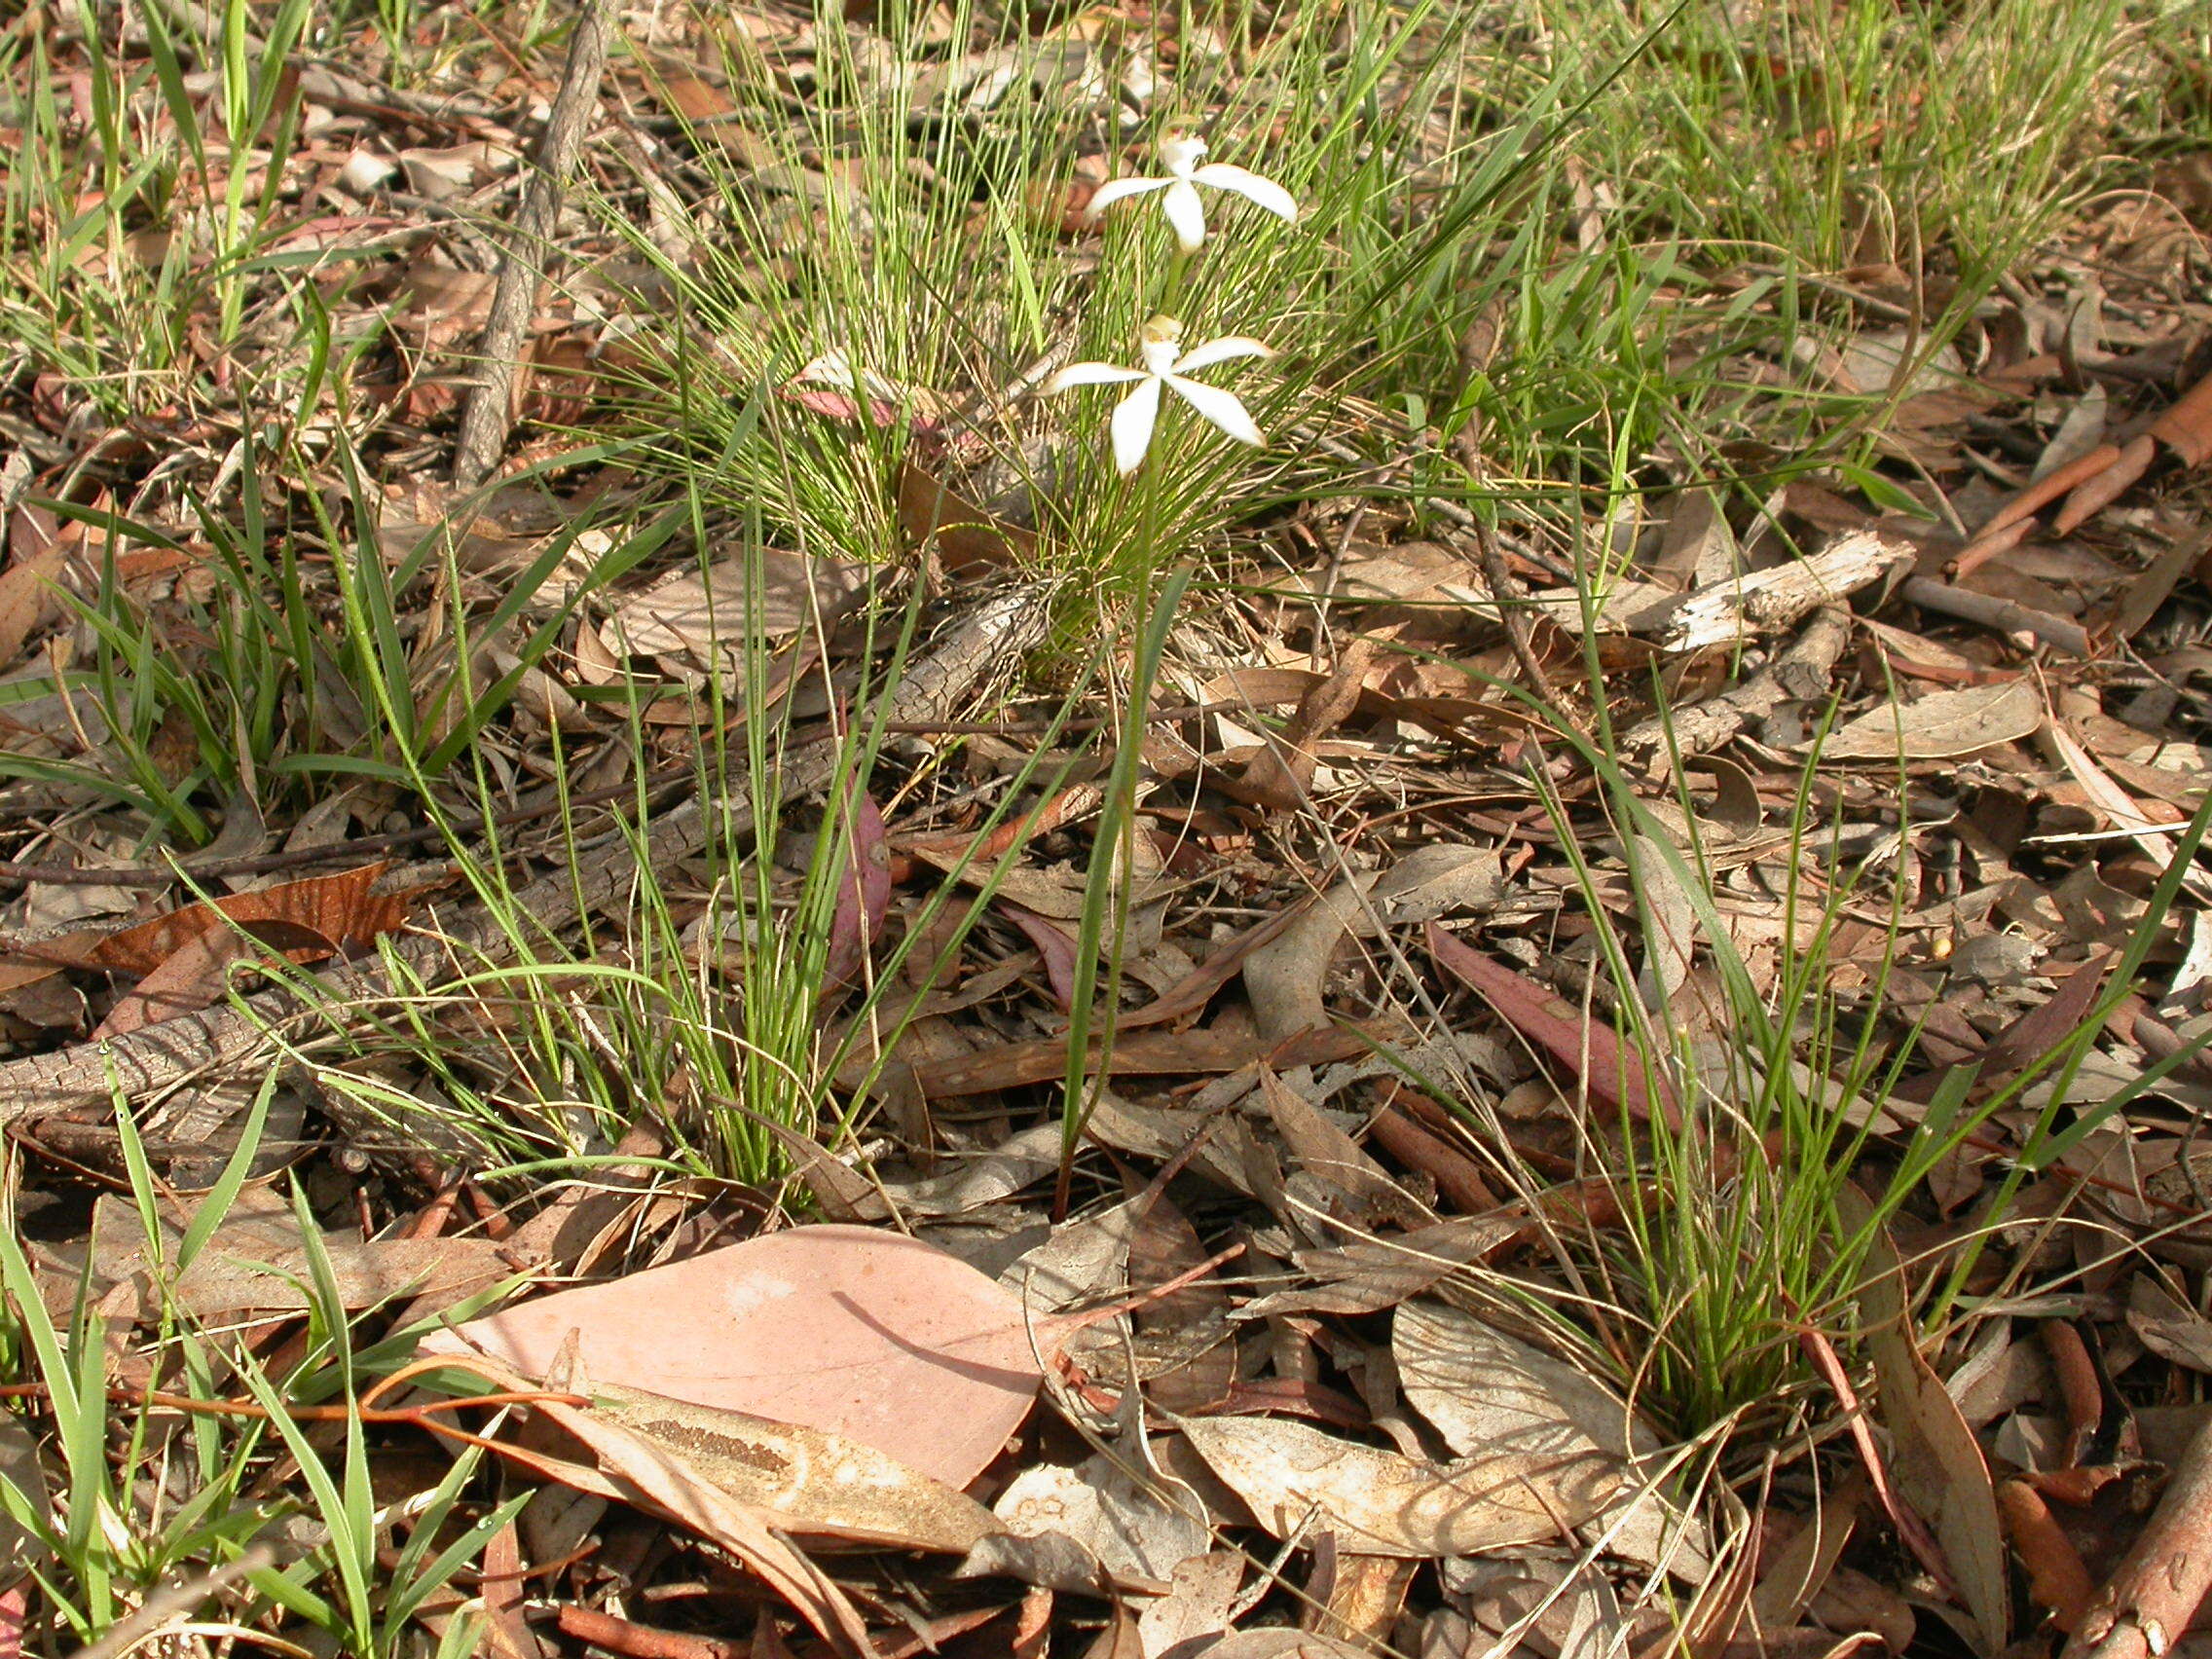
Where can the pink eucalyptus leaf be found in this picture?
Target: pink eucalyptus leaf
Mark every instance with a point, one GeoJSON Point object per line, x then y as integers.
{"type": "Point", "coordinates": [858, 1331]}
{"type": "Point", "coordinates": [1052, 944]}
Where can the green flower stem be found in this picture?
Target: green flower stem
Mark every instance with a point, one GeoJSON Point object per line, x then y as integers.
{"type": "Point", "coordinates": [1109, 882]}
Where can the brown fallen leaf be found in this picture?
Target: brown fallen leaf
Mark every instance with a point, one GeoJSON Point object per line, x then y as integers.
{"type": "Point", "coordinates": [198, 973]}
{"type": "Point", "coordinates": [1613, 1070]}
{"type": "Point", "coordinates": [1937, 1465]}
{"type": "Point", "coordinates": [968, 538]}
{"type": "Point", "coordinates": [2057, 1581]}
{"type": "Point", "coordinates": [816, 1482]}
{"type": "Point", "coordinates": [1280, 775]}
{"type": "Point", "coordinates": [344, 909]}
{"type": "Point", "coordinates": [30, 599]}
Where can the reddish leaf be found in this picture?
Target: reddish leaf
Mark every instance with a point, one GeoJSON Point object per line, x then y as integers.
{"type": "Point", "coordinates": [1612, 1071]}
{"type": "Point", "coordinates": [341, 909]}
{"type": "Point", "coordinates": [1052, 944]}
{"type": "Point", "coordinates": [863, 892]}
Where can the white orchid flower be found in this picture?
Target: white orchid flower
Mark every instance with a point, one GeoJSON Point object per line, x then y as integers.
{"type": "Point", "coordinates": [1166, 364]}
{"type": "Point", "coordinates": [1184, 210]}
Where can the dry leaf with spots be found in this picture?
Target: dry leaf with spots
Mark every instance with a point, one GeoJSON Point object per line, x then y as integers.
{"type": "Point", "coordinates": [637, 1469]}
{"type": "Point", "coordinates": [815, 1481]}
{"type": "Point", "coordinates": [1135, 1528]}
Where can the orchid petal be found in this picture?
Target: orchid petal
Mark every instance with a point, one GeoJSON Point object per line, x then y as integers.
{"type": "Point", "coordinates": [1120, 189]}
{"type": "Point", "coordinates": [1186, 213]}
{"type": "Point", "coordinates": [1225, 350]}
{"type": "Point", "coordinates": [1222, 408]}
{"type": "Point", "coordinates": [1092, 373]}
{"type": "Point", "coordinates": [1134, 417]}
{"type": "Point", "coordinates": [1260, 191]}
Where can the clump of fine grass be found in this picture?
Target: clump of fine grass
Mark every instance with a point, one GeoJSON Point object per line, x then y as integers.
{"type": "Point", "coordinates": [1755, 1170]}
{"type": "Point", "coordinates": [948, 290]}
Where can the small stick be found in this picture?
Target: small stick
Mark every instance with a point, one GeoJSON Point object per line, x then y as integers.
{"type": "Point", "coordinates": [2146, 1606]}
{"type": "Point", "coordinates": [1506, 594]}
{"type": "Point", "coordinates": [646, 1641]}
{"type": "Point", "coordinates": [484, 423]}
{"type": "Point", "coordinates": [2002, 615]}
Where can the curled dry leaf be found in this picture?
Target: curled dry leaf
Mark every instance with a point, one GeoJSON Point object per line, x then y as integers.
{"type": "Point", "coordinates": [644, 1471]}
{"type": "Point", "coordinates": [876, 1337]}
{"type": "Point", "coordinates": [815, 1481]}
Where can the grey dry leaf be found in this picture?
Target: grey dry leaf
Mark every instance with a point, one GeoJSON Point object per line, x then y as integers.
{"type": "Point", "coordinates": [1133, 1527]}
{"type": "Point", "coordinates": [1373, 1274]}
{"type": "Point", "coordinates": [1296, 1480]}
{"type": "Point", "coordinates": [768, 595]}
{"type": "Point", "coordinates": [1200, 1598]}
{"type": "Point", "coordinates": [864, 1332]}
{"type": "Point", "coordinates": [1939, 725]}
{"type": "Point", "coordinates": [1486, 1392]}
